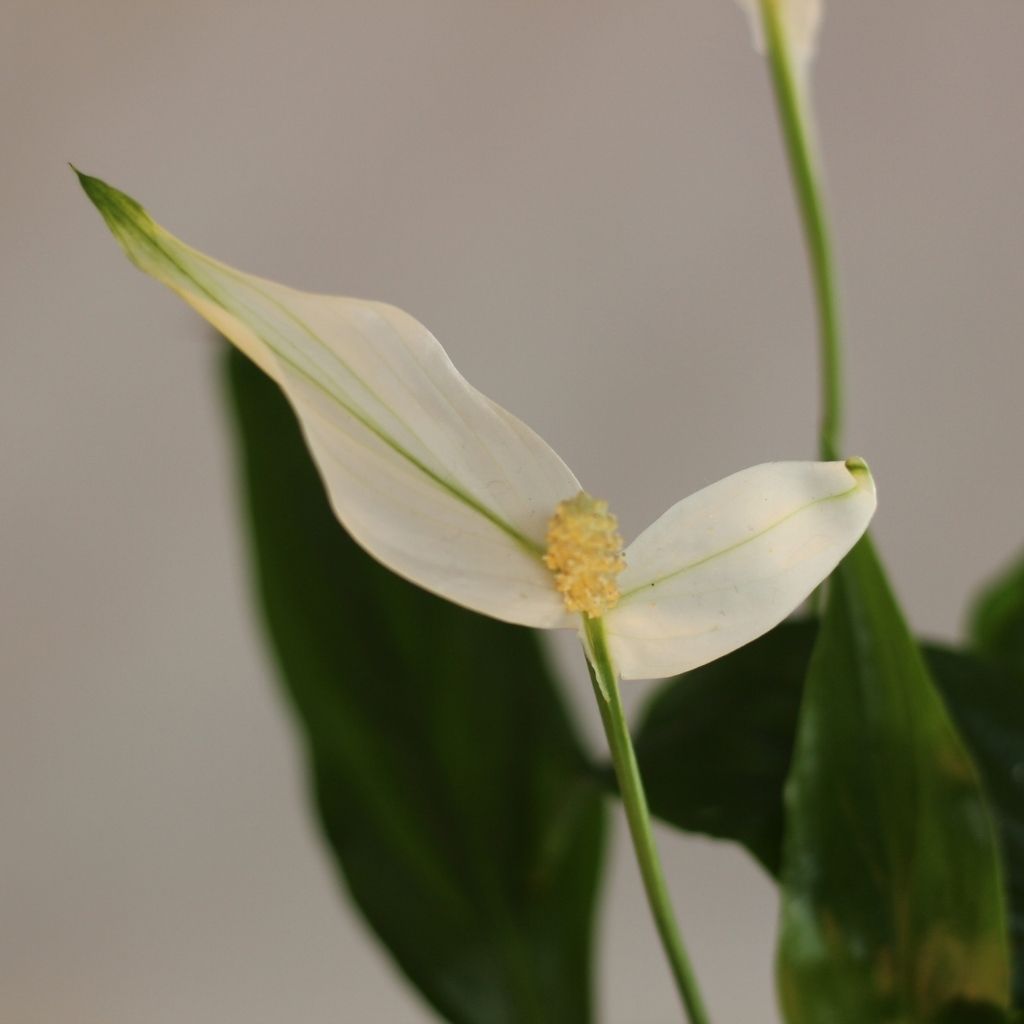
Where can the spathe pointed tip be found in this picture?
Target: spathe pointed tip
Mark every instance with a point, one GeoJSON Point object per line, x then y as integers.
{"type": "Point", "coordinates": [111, 202]}
{"type": "Point", "coordinates": [94, 188]}
{"type": "Point", "coordinates": [859, 469]}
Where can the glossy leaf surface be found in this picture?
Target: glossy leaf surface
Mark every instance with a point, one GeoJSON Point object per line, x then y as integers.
{"type": "Point", "coordinates": [715, 747]}
{"type": "Point", "coordinates": [449, 783]}
{"type": "Point", "coordinates": [892, 897]}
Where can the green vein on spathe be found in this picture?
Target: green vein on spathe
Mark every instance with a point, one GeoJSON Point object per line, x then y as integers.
{"type": "Point", "coordinates": [128, 219]}
{"type": "Point", "coordinates": [247, 281]}
{"type": "Point", "coordinates": [853, 466]}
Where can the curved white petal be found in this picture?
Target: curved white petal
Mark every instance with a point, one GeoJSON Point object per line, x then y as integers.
{"type": "Point", "coordinates": [435, 480]}
{"type": "Point", "coordinates": [728, 563]}
{"type": "Point", "coordinates": [799, 20]}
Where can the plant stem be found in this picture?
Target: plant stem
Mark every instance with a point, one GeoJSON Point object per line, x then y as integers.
{"type": "Point", "coordinates": [609, 701]}
{"type": "Point", "coordinates": [797, 133]}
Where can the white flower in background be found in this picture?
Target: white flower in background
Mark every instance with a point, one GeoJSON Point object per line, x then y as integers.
{"type": "Point", "coordinates": [449, 490]}
{"type": "Point", "coordinates": [799, 22]}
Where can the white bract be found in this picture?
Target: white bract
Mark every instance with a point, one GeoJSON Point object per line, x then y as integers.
{"type": "Point", "coordinates": [799, 22]}
{"type": "Point", "coordinates": [449, 490]}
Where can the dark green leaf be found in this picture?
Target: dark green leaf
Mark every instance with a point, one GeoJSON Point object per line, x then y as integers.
{"type": "Point", "coordinates": [987, 703]}
{"type": "Point", "coordinates": [715, 747]}
{"type": "Point", "coordinates": [449, 782]}
{"type": "Point", "coordinates": [997, 620]}
{"type": "Point", "coordinates": [966, 1012]}
{"type": "Point", "coordinates": [892, 894]}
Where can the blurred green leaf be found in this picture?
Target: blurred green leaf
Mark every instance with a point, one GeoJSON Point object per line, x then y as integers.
{"type": "Point", "coordinates": [997, 619]}
{"type": "Point", "coordinates": [987, 703]}
{"type": "Point", "coordinates": [964, 1012]}
{"type": "Point", "coordinates": [450, 785]}
{"type": "Point", "coordinates": [715, 746]}
{"type": "Point", "coordinates": [892, 895]}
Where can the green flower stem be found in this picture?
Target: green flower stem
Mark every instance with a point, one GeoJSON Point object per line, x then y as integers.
{"type": "Point", "coordinates": [609, 701]}
{"type": "Point", "coordinates": [797, 133]}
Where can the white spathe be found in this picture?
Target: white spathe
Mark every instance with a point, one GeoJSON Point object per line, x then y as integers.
{"type": "Point", "coordinates": [728, 563]}
{"type": "Point", "coordinates": [451, 491]}
{"type": "Point", "coordinates": [799, 20]}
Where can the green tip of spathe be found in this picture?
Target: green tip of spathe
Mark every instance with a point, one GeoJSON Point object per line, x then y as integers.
{"type": "Point", "coordinates": [858, 466]}
{"type": "Point", "coordinates": [115, 206]}
{"type": "Point", "coordinates": [127, 220]}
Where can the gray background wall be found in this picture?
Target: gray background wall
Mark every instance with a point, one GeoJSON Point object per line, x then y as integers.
{"type": "Point", "coordinates": [587, 203]}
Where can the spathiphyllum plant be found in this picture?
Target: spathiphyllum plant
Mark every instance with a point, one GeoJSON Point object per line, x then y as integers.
{"type": "Point", "coordinates": [877, 781]}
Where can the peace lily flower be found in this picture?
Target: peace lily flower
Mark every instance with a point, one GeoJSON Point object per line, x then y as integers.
{"type": "Point", "coordinates": [798, 23]}
{"type": "Point", "coordinates": [454, 493]}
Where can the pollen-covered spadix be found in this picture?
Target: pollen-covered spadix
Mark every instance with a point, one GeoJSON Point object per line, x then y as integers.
{"type": "Point", "coordinates": [798, 20]}
{"type": "Point", "coordinates": [448, 489]}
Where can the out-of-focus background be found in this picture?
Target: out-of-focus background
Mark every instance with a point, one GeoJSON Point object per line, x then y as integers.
{"type": "Point", "coordinates": [587, 203]}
